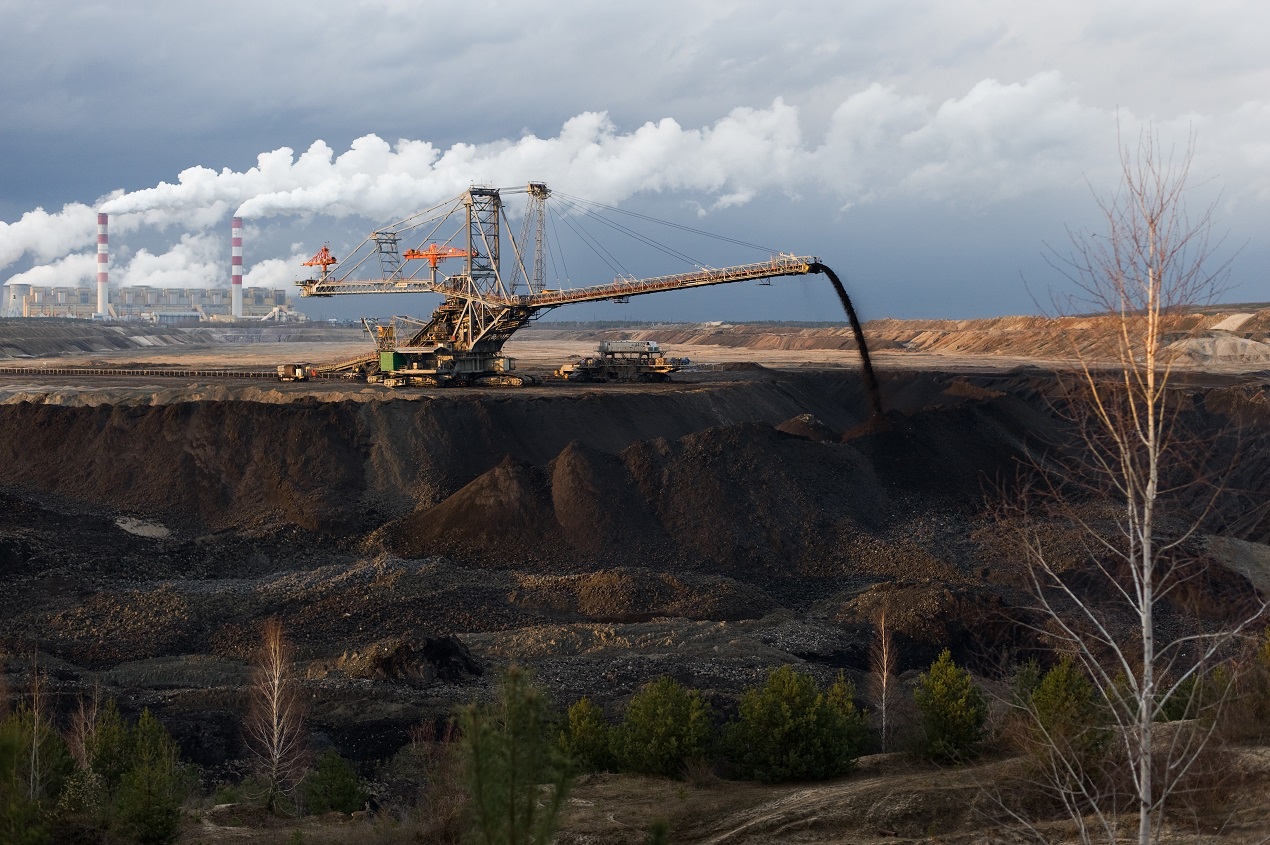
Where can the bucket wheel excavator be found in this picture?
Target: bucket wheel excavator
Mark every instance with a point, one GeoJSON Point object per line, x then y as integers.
{"type": "Point", "coordinates": [491, 296]}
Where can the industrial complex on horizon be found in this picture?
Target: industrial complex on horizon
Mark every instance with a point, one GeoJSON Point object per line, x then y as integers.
{"type": "Point", "coordinates": [152, 304]}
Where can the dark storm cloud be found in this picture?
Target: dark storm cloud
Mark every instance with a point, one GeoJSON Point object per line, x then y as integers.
{"type": "Point", "coordinates": [978, 114]}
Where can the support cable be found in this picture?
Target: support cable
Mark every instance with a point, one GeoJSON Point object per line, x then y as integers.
{"type": "Point", "coordinates": [680, 226]}
{"type": "Point", "coordinates": [596, 247]}
{"type": "Point", "coordinates": [553, 239]}
{"type": "Point", "coordinates": [644, 239]}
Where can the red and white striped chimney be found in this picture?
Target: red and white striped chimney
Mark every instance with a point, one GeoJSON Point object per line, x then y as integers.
{"type": "Point", "coordinates": [103, 265]}
{"type": "Point", "coordinates": [236, 270]}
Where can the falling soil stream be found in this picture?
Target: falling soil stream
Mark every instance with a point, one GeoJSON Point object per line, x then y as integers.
{"type": "Point", "coordinates": [870, 380]}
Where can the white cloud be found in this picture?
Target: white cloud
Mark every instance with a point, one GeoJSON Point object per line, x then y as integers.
{"type": "Point", "coordinates": [1002, 141]}
{"type": "Point", "coordinates": [69, 271]}
{"type": "Point", "coordinates": [996, 142]}
{"type": "Point", "coordinates": [276, 273]}
{"type": "Point", "coordinates": [987, 142]}
{"type": "Point", "coordinates": [197, 260]}
{"type": "Point", "coordinates": [45, 236]}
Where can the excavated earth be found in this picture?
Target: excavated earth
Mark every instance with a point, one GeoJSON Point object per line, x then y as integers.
{"type": "Point", "coordinates": [412, 544]}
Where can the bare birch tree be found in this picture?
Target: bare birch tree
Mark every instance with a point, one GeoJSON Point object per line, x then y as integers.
{"type": "Point", "coordinates": [39, 727]}
{"type": "Point", "coordinates": [275, 721]}
{"type": "Point", "coordinates": [83, 728]}
{"type": "Point", "coordinates": [1138, 551]}
{"type": "Point", "coordinates": [882, 679]}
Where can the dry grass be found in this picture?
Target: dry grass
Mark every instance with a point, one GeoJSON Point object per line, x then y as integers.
{"type": "Point", "coordinates": [889, 799]}
{"type": "Point", "coordinates": [331, 829]}
{"type": "Point", "coordinates": [701, 774]}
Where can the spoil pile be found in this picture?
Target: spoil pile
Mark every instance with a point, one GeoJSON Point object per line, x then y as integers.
{"type": "Point", "coordinates": [747, 500]}
{"type": "Point", "coordinates": [602, 537]}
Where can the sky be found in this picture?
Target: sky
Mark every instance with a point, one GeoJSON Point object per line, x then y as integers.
{"type": "Point", "coordinates": [932, 152]}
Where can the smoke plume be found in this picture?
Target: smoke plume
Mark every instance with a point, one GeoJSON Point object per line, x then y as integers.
{"type": "Point", "coordinates": [997, 142]}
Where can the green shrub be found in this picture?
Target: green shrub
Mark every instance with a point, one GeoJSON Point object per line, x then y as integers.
{"type": "Point", "coordinates": [110, 746]}
{"type": "Point", "coordinates": [1200, 695]}
{"type": "Point", "coordinates": [1249, 713]}
{"type": "Point", "coordinates": [332, 786]}
{"type": "Point", "coordinates": [1184, 702]}
{"type": "Point", "coordinates": [30, 789]}
{"type": "Point", "coordinates": [20, 821]}
{"type": "Point", "coordinates": [787, 729]}
{"type": "Point", "coordinates": [227, 793]}
{"type": "Point", "coordinates": [1063, 700]}
{"type": "Point", "coordinates": [586, 737]}
{"type": "Point", "coordinates": [507, 757]}
{"type": "Point", "coordinates": [129, 785]}
{"type": "Point", "coordinates": [953, 711]}
{"type": "Point", "coordinates": [1067, 720]}
{"type": "Point", "coordinates": [665, 725]}
{"type": "Point", "coordinates": [148, 807]}
{"type": "Point", "coordinates": [658, 832]}
{"type": "Point", "coordinates": [43, 780]}
{"type": "Point", "coordinates": [1024, 681]}
{"type": "Point", "coordinates": [88, 802]}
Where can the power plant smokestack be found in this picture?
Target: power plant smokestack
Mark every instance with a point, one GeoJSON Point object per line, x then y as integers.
{"type": "Point", "coordinates": [103, 265]}
{"type": "Point", "coordinates": [236, 269]}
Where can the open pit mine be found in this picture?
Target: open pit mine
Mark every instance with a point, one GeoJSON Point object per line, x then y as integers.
{"type": "Point", "coordinates": [420, 509]}
{"type": "Point", "coordinates": [414, 543]}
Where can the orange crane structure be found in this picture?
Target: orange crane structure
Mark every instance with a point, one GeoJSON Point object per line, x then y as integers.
{"type": "Point", "coordinates": [322, 259]}
{"type": "Point", "coordinates": [483, 305]}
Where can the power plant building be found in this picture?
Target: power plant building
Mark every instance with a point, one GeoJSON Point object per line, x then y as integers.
{"type": "Point", "coordinates": [151, 304]}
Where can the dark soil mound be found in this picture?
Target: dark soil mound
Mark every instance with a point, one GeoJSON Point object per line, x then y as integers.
{"type": "Point", "coordinates": [600, 510]}
{"type": "Point", "coordinates": [740, 367]}
{"type": "Point", "coordinates": [508, 506]}
{"type": "Point", "coordinates": [629, 595]}
{"type": "Point", "coordinates": [218, 463]}
{"type": "Point", "coordinates": [959, 452]}
{"type": "Point", "coordinates": [808, 427]}
{"type": "Point", "coordinates": [413, 659]}
{"type": "Point", "coordinates": [927, 617]}
{"type": "Point", "coordinates": [747, 500]}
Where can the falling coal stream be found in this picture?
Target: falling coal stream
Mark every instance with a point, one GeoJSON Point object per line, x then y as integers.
{"type": "Point", "coordinates": [870, 379]}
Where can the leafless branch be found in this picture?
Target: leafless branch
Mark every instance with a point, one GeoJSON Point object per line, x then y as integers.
{"type": "Point", "coordinates": [1134, 485]}
{"type": "Point", "coordinates": [882, 679]}
{"type": "Point", "coordinates": [275, 722]}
